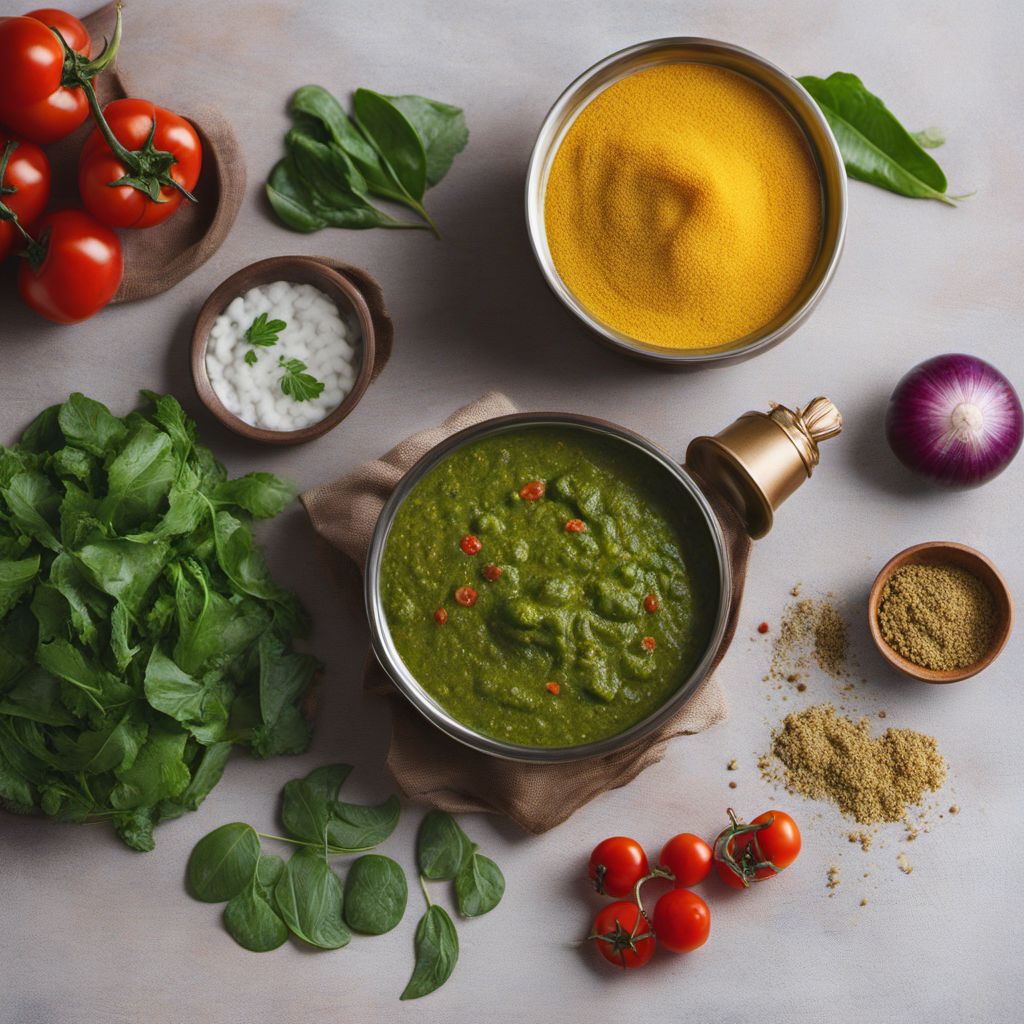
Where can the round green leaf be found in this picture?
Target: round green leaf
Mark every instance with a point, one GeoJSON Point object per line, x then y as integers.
{"type": "Point", "coordinates": [253, 923]}
{"type": "Point", "coordinates": [375, 895]}
{"type": "Point", "coordinates": [309, 898]}
{"type": "Point", "coordinates": [479, 886]}
{"type": "Point", "coordinates": [442, 847]}
{"type": "Point", "coordinates": [222, 863]}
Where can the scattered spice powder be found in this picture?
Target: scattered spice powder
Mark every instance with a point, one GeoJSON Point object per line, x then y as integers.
{"type": "Point", "coordinates": [810, 630]}
{"type": "Point", "coordinates": [941, 617]}
{"type": "Point", "coordinates": [732, 765]}
{"type": "Point", "coordinates": [833, 877]}
{"type": "Point", "coordinates": [732, 785]}
{"type": "Point", "coordinates": [864, 838]}
{"type": "Point", "coordinates": [828, 756]}
{"type": "Point", "coordinates": [905, 866]}
{"type": "Point", "coordinates": [954, 809]}
{"type": "Point", "coordinates": [864, 901]}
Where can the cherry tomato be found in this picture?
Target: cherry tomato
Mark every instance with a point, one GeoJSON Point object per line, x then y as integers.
{"type": "Point", "coordinates": [770, 839]}
{"type": "Point", "coordinates": [532, 491]}
{"type": "Point", "coordinates": [73, 269]}
{"type": "Point", "coordinates": [33, 102]}
{"type": "Point", "coordinates": [553, 688]}
{"type": "Point", "coordinates": [651, 604]}
{"type": "Point", "coordinates": [648, 643]}
{"type": "Point", "coordinates": [471, 545]}
{"type": "Point", "coordinates": [440, 616]}
{"type": "Point", "coordinates": [492, 572]}
{"type": "Point", "coordinates": [466, 596]}
{"type": "Point", "coordinates": [132, 121]}
{"type": "Point", "coordinates": [24, 188]}
{"type": "Point", "coordinates": [688, 857]}
{"type": "Point", "coordinates": [616, 865]}
{"type": "Point", "coordinates": [682, 921]}
{"type": "Point", "coordinates": [575, 526]}
{"type": "Point", "coordinates": [623, 935]}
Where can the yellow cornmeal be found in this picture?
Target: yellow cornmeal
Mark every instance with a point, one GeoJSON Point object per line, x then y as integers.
{"type": "Point", "coordinates": [683, 207]}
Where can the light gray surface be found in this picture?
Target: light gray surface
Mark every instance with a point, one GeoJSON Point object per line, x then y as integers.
{"type": "Point", "coordinates": [94, 934]}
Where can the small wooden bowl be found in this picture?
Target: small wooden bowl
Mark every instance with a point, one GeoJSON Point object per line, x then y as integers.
{"type": "Point", "coordinates": [297, 270]}
{"type": "Point", "coordinates": [939, 552]}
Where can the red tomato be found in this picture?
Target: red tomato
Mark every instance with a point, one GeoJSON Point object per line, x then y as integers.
{"type": "Point", "coordinates": [553, 688]}
{"type": "Point", "coordinates": [688, 857]}
{"type": "Point", "coordinates": [470, 545]}
{"type": "Point", "coordinates": [492, 572]}
{"type": "Point", "coordinates": [575, 526]}
{"type": "Point", "coordinates": [768, 845]}
{"type": "Point", "coordinates": [651, 604]}
{"type": "Point", "coordinates": [623, 935]}
{"type": "Point", "coordinates": [74, 268]}
{"type": "Point", "coordinates": [532, 491]}
{"type": "Point", "coordinates": [440, 616]}
{"type": "Point", "coordinates": [33, 101]}
{"type": "Point", "coordinates": [682, 921]}
{"type": "Point", "coordinates": [24, 188]}
{"type": "Point", "coordinates": [616, 865]}
{"type": "Point", "coordinates": [648, 643]}
{"type": "Point", "coordinates": [466, 596]}
{"type": "Point", "coordinates": [173, 154]}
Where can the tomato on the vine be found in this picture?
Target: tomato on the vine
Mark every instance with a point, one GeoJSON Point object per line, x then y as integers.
{"type": "Point", "coordinates": [73, 267]}
{"type": "Point", "coordinates": [24, 189]}
{"type": "Point", "coordinates": [616, 865]}
{"type": "Point", "coordinates": [754, 852]}
{"type": "Point", "coordinates": [39, 99]}
{"type": "Point", "coordinates": [682, 921]}
{"type": "Point", "coordinates": [623, 935]}
{"type": "Point", "coordinates": [688, 857]}
{"type": "Point", "coordinates": [138, 165]}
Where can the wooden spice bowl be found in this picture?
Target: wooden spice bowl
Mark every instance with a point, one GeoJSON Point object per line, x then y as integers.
{"type": "Point", "coordinates": [940, 552]}
{"type": "Point", "coordinates": [296, 270]}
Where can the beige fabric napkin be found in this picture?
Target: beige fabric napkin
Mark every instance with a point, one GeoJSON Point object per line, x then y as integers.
{"type": "Point", "coordinates": [426, 764]}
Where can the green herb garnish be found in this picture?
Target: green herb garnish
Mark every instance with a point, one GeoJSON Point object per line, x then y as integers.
{"type": "Point", "coordinates": [251, 358]}
{"type": "Point", "coordinates": [876, 148]}
{"type": "Point", "coordinates": [296, 383]}
{"type": "Point", "coordinates": [141, 634]}
{"type": "Point", "coordinates": [264, 332]}
{"type": "Point", "coordinates": [395, 149]}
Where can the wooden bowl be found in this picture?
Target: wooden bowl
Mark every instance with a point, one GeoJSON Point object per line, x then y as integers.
{"type": "Point", "coordinates": [297, 270]}
{"type": "Point", "coordinates": [939, 552]}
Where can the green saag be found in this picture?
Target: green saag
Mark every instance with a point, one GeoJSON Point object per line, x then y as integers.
{"type": "Point", "coordinates": [141, 635]}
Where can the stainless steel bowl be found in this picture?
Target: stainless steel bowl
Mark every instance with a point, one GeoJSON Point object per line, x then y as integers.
{"type": "Point", "coordinates": [389, 658]}
{"type": "Point", "coordinates": [794, 98]}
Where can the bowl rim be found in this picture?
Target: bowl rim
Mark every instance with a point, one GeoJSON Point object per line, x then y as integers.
{"type": "Point", "coordinates": [266, 271]}
{"type": "Point", "coordinates": [910, 556]}
{"type": "Point", "coordinates": [823, 147]}
{"type": "Point", "coordinates": [390, 661]}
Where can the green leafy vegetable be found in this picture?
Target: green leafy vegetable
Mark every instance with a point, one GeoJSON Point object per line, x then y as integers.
{"type": "Point", "coordinates": [223, 863]}
{"type": "Point", "coordinates": [140, 630]}
{"type": "Point", "coordinates": [876, 148]}
{"type": "Point", "coordinates": [479, 886]}
{"type": "Point", "coordinates": [376, 895]}
{"type": "Point", "coordinates": [442, 848]}
{"type": "Point", "coordinates": [253, 923]}
{"type": "Point", "coordinates": [263, 332]}
{"type": "Point", "coordinates": [309, 897]}
{"type": "Point", "coordinates": [397, 147]}
{"type": "Point", "coordinates": [251, 359]}
{"type": "Point", "coordinates": [437, 951]}
{"type": "Point", "coordinates": [296, 383]}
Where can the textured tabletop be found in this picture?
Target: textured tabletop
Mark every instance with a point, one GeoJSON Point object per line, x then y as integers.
{"type": "Point", "coordinates": [91, 933]}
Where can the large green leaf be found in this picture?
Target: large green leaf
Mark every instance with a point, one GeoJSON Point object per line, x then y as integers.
{"type": "Point", "coordinates": [16, 578]}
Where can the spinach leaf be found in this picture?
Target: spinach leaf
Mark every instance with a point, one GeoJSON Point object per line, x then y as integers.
{"type": "Point", "coordinates": [479, 886]}
{"type": "Point", "coordinates": [441, 128]}
{"type": "Point", "coordinates": [292, 200]}
{"type": "Point", "coordinates": [178, 695]}
{"type": "Point", "coordinates": [113, 748]}
{"type": "Point", "coordinates": [876, 148]}
{"type": "Point", "coordinates": [139, 478]}
{"type": "Point", "coordinates": [308, 803]}
{"type": "Point", "coordinates": [89, 425]}
{"type": "Point", "coordinates": [437, 951]}
{"type": "Point", "coordinates": [158, 772]}
{"type": "Point", "coordinates": [354, 827]}
{"type": "Point", "coordinates": [124, 570]}
{"type": "Point", "coordinates": [442, 848]}
{"type": "Point", "coordinates": [43, 434]}
{"type": "Point", "coordinates": [205, 775]}
{"type": "Point", "coordinates": [16, 578]}
{"type": "Point", "coordinates": [253, 923]}
{"type": "Point", "coordinates": [394, 138]}
{"type": "Point", "coordinates": [223, 863]}
{"type": "Point", "coordinates": [262, 495]}
{"type": "Point", "coordinates": [32, 503]}
{"type": "Point", "coordinates": [268, 874]}
{"type": "Point", "coordinates": [376, 895]}
{"type": "Point", "coordinates": [309, 897]}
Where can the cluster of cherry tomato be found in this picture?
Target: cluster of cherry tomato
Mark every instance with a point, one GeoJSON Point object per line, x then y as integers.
{"type": "Point", "coordinates": [136, 167]}
{"type": "Point", "coordinates": [627, 936]}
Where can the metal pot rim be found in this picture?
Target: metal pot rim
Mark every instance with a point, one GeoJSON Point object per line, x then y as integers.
{"type": "Point", "coordinates": [389, 659]}
{"type": "Point", "coordinates": [795, 99]}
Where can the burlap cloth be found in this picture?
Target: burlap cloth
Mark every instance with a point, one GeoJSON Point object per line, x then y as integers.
{"type": "Point", "coordinates": [157, 258]}
{"type": "Point", "coordinates": [426, 764]}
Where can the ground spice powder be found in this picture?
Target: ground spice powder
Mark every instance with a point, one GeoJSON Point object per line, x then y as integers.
{"type": "Point", "coordinates": [810, 630]}
{"type": "Point", "coordinates": [941, 617]}
{"type": "Point", "coordinates": [683, 207]}
{"type": "Point", "coordinates": [826, 756]}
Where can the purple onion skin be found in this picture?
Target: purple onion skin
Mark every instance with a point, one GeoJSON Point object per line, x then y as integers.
{"type": "Point", "coordinates": [956, 419]}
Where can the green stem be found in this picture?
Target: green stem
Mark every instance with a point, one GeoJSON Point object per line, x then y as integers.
{"type": "Point", "coordinates": [426, 894]}
{"type": "Point", "coordinates": [35, 251]}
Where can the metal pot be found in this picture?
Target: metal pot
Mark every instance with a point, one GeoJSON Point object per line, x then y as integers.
{"type": "Point", "coordinates": [793, 97]}
{"type": "Point", "coordinates": [782, 443]}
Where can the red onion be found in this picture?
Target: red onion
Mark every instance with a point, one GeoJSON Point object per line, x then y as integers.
{"type": "Point", "coordinates": [956, 419]}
